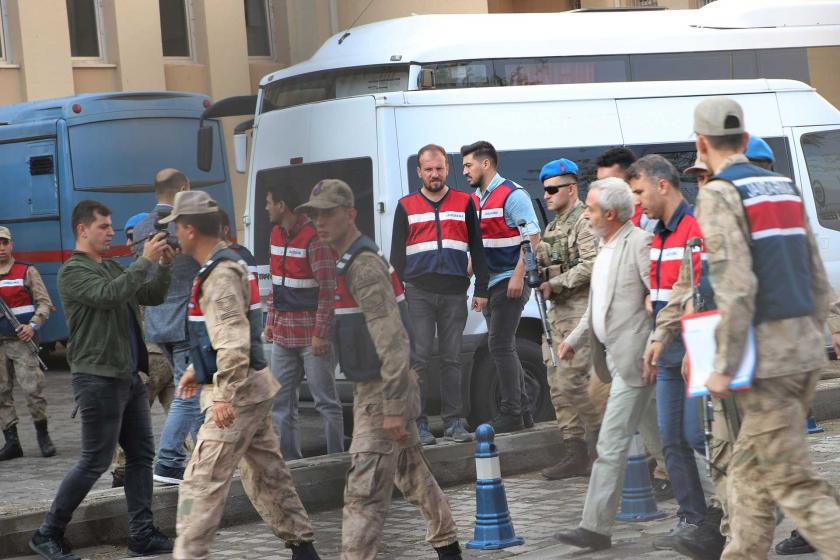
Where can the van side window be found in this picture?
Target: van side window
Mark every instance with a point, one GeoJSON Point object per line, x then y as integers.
{"type": "Point", "coordinates": [822, 158]}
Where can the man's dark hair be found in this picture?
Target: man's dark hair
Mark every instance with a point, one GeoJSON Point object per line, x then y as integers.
{"type": "Point", "coordinates": [729, 142]}
{"type": "Point", "coordinates": [624, 157]}
{"type": "Point", "coordinates": [206, 224]}
{"type": "Point", "coordinates": [481, 150]}
{"type": "Point", "coordinates": [429, 148]}
{"type": "Point", "coordinates": [288, 194]}
{"type": "Point", "coordinates": [85, 213]}
{"type": "Point", "coordinates": [654, 167]}
{"type": "Point", "coordinates": [224, 222]}
{"type": "Point", "coordinates": [169, 182]}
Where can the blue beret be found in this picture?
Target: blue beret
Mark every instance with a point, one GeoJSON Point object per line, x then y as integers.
{"type": "Point", "coordinates": [558, 167]}
{"type": "Point", "coordinates": [759, 150]}
{"type": "Point", "coordinates": [134, 220]}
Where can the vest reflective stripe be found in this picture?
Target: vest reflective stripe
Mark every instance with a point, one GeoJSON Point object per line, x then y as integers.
{"type": "Point", "coordinates": [501, 242]}
{"type": "Point", "coordinates": [295, 287]}
{"type": "Point", "coordinates": [202, 353]}
{"type": "Point", "coordinates": [356, 353]}
{"type": "Point", "coordinates": [666, 259]}
{"type": "Point", "coordinates": [780, 250]}
{"type": "Point", "coordinates": [17, 297]}
{"type": "Point", "coordinates": [437, 241]}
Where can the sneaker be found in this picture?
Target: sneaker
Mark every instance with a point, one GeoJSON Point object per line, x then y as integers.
{"type": "Point", "coordinates": [426, 437]}
{"type": "Point", "coordinates": [51, 548]}
{"type": "Point", "coordinates": [168, 475]}
{"type": "Point", "coordinates": [794, 544]}
{"type": "Point", "coordinates": [662, 489]}
{"type": "Point", "coordinates": [667, 542]}
{"type": "Point", "coordinates": [156, 543]}
{"type": "Point", "coordinates": [457, 432]}
{"type": "Point", "coordinates": [703, 543]}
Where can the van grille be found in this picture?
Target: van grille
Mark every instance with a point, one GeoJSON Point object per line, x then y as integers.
{"type": "Point", "coordinates": [41, 165]}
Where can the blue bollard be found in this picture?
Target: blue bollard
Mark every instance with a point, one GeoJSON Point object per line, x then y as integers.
{"type": "Point", "coordinates": [637, 502]}
{"type": "Point", "coordinates": [811, 426]}
{"type": "Point", "coordinates": [493, 525]}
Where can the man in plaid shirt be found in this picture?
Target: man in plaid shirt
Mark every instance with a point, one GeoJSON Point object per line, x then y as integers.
{"type": "Point", "coordinates": [300, 320]}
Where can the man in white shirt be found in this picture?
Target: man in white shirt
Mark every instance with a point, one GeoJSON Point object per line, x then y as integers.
{"type": "Point", "coordinates": [617, 324]}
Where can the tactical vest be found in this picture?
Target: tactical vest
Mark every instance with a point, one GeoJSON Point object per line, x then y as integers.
{"type": "Point", "coordinates": [666, 258]}
{"type": "Point", "coordinates": [562, 255]}
{"type": "Point", "coordinates": [501, 242]}
{"type": "Point", "coordinates": [437, 240]}
{"type": "Point", "coordinates": [16, 295]}
{"type": "Point", "coordinates": [356, 352]}
{"type": "Point", "coordinates": [202, 353]}
{"type": "Point", "coordinates": [295, 287]}
{"type": "Point", "coordinates": [255, 313]}
{"type": "Point", "coordinates": [779, 243]}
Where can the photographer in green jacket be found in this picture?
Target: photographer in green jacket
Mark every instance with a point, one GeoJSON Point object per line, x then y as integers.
{"type": "Point", "coordinates": [105, 351]}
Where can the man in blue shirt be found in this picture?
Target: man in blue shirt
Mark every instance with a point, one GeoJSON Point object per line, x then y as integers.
{"type": "Point", "coordinates": [502, 204]}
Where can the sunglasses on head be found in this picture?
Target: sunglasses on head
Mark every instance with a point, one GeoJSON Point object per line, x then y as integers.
{"type": "Point", "coordinates": [556, 189]}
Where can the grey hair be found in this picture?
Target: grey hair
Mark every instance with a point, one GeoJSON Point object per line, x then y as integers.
{"type": "Point", "coordinates": [614, 194]}
{"type": "Point", "coordinates": [655, 167]}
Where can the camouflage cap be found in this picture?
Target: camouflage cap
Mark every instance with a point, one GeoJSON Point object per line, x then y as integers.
{"type": "Point", "coordinates": [698, 167]}
{"type": "Point", "coordinates": [719, 116]}
{"type": "Point", "coordinates": [5, 233]}
{"type": "Point", "coordinates": [190, 203]}
{"type": "Point", "coordinates": [327, 194]}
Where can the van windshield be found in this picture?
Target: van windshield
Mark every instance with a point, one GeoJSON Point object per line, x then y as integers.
{"type": "Point", "coordinates": [126, 154]}
{"type": "Point", "coordinates": [822, 157]}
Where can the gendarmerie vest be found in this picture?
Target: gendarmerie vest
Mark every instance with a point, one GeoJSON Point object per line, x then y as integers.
{"type": "Point", "coordinates": [501, 242]}
{"type": "Point", "coordinates": [779, 244]}
{"type": "Point", "coordinates": [295, 287]}
{"type": "Point", "coordinates": [14, 292]}
{"type": "Point", "coordinates": [356, 352]}
{"type": "Point", "coordinates": [202, 353]}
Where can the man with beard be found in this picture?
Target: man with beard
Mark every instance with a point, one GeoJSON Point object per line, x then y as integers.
{"type": "Point", "coordinates": [435, 231]}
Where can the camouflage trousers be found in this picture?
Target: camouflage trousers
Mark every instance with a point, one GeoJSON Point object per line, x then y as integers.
{"type": "Point", "coordinates": [771, 465]}
{"type": "Point", "coordinates": [160, 388]}
{"type": "Point", "coordinates": [377, 464]}
{"type": "Point", "coordinates": [251, 444]}
{"type": "Point", "coordinates": [568, 382]}
{"type": "Point", "coordinates": [17, 363]}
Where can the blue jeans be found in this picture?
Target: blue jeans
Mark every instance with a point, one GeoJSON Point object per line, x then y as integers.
{"type": "Point", "coordinates": [671, 409]}
{"type": "Point", "coordinates": [289, 365]}
{"type": "Point", "coordinates": [184, 415]}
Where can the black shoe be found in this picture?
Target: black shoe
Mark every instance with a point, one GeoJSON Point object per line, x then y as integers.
{"type": "Point", "coordinates": [449, 552]}
{"type": "Point", "coordinates": [794, 544]}
{"type": "Point", "coordinates": [575, 462]}
{"type": "Point", "coordinates": [668, 542]}
{"type": "Point", "coordinates": [662, 489]}
{"type": "Point", "coordinates": [51, 548]}
{"type": "Point", "coordinates": [527, 419]}
{"type": "Point", "coordinates": [44, 441]}
{"type": "Point", "coordinates": [507, 423]}
{"type": "Point", "coordinates": [12, 449]}
{"type": "Point", "coordinates": [117, 478]}
{"type": "Point", "coordinates": [583, 538]}
{"type": "Point", "coordinates": [168, 475]}
{"type": "Point", "coordinates": [156, 543]}
{"type": "Point", "coordinates": [304, 551]}
{"type": "Point", "coordinates": [703, 543]}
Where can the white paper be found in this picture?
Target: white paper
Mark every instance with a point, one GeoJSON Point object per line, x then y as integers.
{"type": "Point", "coordinates": [699, 337]}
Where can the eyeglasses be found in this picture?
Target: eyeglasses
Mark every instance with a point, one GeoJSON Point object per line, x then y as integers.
{"type": "Point", "coordinates": [555, 189]}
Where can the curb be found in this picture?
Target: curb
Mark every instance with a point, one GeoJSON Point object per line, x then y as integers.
{"type": "Point", "coordinates": [102, 519]}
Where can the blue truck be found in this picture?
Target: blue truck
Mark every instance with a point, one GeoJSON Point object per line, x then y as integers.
{"type": "Point", "coordinates": [102, 146]}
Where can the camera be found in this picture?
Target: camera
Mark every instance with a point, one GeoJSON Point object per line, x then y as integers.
{"type": "Point", "coordinates": [171, 240]}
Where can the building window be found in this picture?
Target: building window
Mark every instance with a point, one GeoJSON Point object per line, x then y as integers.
{"type": "Point", "coordinates": [175, 28]}
{"type": "Point", "coordinates": [84, 20]}
{"type": "Point", "coordinates": [258, 27]}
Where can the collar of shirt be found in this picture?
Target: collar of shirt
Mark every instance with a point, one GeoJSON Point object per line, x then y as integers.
{"type": "Point", "coordinates": [562, 217]}
{"type": "Point", "coordinates": [302, 220]}
{"type": "Point", "coordinates": [732, 160]}
{"type": "Point", "coordinates": [163, 206]}
{"type": "Point", "coordinates": [495, 182]}
{"type": "Point", "coordinates": [5, 268]}
{"type": "Point", "coordinates": [614, 239]}
{"type": "Point", "coordinates": [681, 212]}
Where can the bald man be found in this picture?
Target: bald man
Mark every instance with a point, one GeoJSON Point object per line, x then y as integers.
{"type": "Point", "coordinates": [165, 326]}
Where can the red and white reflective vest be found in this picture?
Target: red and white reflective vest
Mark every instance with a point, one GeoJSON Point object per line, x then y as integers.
{"type": "Point", "coordinates": [501, 242]}
{"type": "Point", "coordinates": [666, 257]}
{"type": "Point", "coordinates": [17, 297]}
{"type": "Point", "coordinates": [295, 287]}
{"type": "Point", "coordinates": [437, 240]}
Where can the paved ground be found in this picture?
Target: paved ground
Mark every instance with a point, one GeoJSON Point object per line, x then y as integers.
{"type": "Point", "coordinates": [539, 508]}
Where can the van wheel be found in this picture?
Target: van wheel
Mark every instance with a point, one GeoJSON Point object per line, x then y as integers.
{"type": "Point", "coordinates": [484, 390]}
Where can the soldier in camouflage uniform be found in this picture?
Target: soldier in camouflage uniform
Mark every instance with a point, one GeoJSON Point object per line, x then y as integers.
{"type": "Point", "coordinates": [567, 253]}
{"type": "Point", "coordinates": [373, 349]}
{"type": "Point", "coordinates": [776, 282]}
{"type": "Point", "coordinates": [238, 389]}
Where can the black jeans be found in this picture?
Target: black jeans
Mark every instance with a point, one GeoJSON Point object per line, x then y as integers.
{"type": "Point", "coordinates": [111, 410]}
{"type": "Point", "coordinates": [502, 315]}
{"type": "Point", "coordinates": [446, 313]}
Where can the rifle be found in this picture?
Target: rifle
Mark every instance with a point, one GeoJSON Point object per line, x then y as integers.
{"type": "Point", "coordinates": [534, 280]}
{"type": "Point", "coordinates": [33, 346]}
{"type": "Point", "coordinates": [697, 301]}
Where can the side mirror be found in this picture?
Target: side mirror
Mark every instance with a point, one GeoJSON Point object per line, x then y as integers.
{"type": "Point", "coordinates": [205, 148]}
{"type": "Point", "coordinates": [240, 152]}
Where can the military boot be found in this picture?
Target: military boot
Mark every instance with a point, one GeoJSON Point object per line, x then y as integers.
{"type": "Point", "coordinates": [449, 552]}
{"type": "Point", "coordinates": [44, 441]}
{"type": "Point", "coordinates": [12, 449]}
{"type": "Point", "coordinates": [575, 462]}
